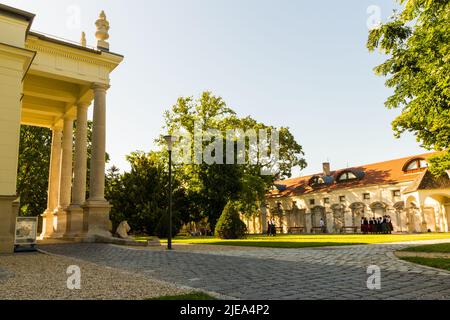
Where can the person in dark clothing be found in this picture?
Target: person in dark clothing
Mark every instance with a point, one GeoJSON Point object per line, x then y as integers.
{"type": "Point", "coordinates": [390, 226]}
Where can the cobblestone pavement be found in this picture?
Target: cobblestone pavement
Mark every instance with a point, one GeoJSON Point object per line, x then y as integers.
{"type": "Point", "coordinates": [319, 273]}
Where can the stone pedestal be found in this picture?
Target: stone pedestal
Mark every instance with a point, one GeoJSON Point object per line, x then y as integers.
{"type": "Point", "coordinates": [7, 223]}
{"type": "Point", "coordinates": [48, 220]}
{"type": "Point", "coordinates": [61, 226]}
{"type": "Point", "coordinates": [97, 215]}
{"type": "Point", "coordinates": [75, 222]}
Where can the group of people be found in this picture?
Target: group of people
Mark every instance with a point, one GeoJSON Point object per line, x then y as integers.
{"type": "Point", "coordinates": [377, 225]}
{"type": "Point", "coordinates": [271, 228]}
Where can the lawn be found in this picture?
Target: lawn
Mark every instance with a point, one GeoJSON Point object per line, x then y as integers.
{"type": "Point", "coordinates": [440, 263]}
{"type": "Point", "coordinates": [187, 297]}
{"type": "Point", "coordinates": [308, 240]}
{"type": "Point", "coordinates": [440, 247]}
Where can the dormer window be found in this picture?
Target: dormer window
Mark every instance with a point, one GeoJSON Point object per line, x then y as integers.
{"type": "Point", "coordinates": [347, 176]}
{"type": "Point", "coordinates": [316, 180]}
{"type": "Point", "coordinates": [415, 165]}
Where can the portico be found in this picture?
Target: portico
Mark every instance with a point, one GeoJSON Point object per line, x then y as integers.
{"type": "Point", "coordinates": [52, 83]}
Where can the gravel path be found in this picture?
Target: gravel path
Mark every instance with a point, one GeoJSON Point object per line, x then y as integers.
{"type": "Point", "coordinates": [40, 276]}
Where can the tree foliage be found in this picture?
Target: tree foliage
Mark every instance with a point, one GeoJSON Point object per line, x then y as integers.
{"type": "Point", "coordinates": [417, 41]}
{"type": "Point", "coordinates": [141, 195]}
{"type": "Point", "coordinates": [212, 186]}
{"type": "Point", "coordinates": [33, 167]}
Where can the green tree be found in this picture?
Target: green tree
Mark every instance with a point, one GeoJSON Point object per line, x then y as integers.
{"type": "Point", "coordinates": [230, 225]}
{"type": "Point", "coordinates": [141, 195]}
{"type": "Point", "coordinates": [33, 169]}
{"type": "Point", "coordinates": [213, 186]}
{"type": "Point", "coordinates": [417, 40]}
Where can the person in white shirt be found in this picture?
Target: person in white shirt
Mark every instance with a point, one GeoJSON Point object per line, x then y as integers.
{"type": "Point", "coordinates": [322, 225]}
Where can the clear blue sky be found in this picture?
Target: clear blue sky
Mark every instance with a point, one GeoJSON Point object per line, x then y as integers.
{"type": "Point", "coordinates": [301, 64]}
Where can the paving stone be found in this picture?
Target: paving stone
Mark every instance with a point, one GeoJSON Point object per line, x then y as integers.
{"type": "Point", "coordinates": [325, 273]}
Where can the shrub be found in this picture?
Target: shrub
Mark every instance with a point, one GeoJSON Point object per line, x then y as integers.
{"type": "Point", "coordinates": [230, 225]}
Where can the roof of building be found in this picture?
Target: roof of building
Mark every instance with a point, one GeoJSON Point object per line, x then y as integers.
{"type": "Point", "coordinates": [426, 181]}
{"type": "Point", "coordinates": [386, 172]}
{"type": "Point", "coordinates": [17, 13]}
{"type": "Point", "coordinates": [28, 16]}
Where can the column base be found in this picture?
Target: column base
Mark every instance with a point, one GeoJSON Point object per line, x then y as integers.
{"type": "Point", "coordinates": [61, 223]}
{"type": "Point", "coordinates": [75, 222]}
{"type": "Point", "coordinates": [97, 218]}
{"type": "Point", "coordinates": [48, 223]}
{"type": "Point", "coordinates": [7, 223]}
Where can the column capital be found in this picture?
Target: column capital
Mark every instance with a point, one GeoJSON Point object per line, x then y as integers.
{"type": "Point", "coordinates": [100, 86]}
{"type": "Point", "coordinates": [57, 129]}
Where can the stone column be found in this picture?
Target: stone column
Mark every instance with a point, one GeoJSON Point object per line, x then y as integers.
{"type": "Point", "coordinates": [48, 216]}
{"type": "Point", "coordinates": [80, 171]}
{"type": "Point", "coordinates": [97, 179]}
{"type": "Point", "coordinates": [66, 178]}
{"type": "Point", "coordinates": [97, 208]}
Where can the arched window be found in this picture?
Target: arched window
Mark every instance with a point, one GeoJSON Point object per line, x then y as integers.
{"type": "Point", "coordinates": [316, 180]}
{"type": "Point", "coordinates": [346, 176]}
{"type": "Point", "coordinates": [415, 165]}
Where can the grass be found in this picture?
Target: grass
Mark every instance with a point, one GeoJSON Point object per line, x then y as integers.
{"type": "Point", "coordinates": [187, 297]}
{"type": "Point", "coordinates": [309, 240]}
{"type": "Point", "coordinates": [440, 247]}
{"type": "Point", "coordinates": [439, 263]}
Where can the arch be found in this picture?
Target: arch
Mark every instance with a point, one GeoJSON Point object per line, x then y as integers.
{"type": "Point", "coordinates": [337, 206]}
{"type": "Point", "coordinates": [357, 205]}
{"type": "Point", "coordinates": [413, 216]}
{"type": "Point", "coordinates": [378, 205]}
{"type": "Point", "coordinates": [317, 213]}
{"type": "Point", "coordinates": [358, 209]}
{"type": "Point", "coordinates": [338, 216]}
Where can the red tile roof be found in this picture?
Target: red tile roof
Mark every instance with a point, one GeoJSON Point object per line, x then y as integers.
{"type": "Point", "coordinates": [387, 172]}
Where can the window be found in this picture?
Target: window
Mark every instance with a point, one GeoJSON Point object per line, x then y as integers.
{"type": "Point", "coordinates": [326, 200]}
{"type": "Point", "coordinates": [347, 176]}
{"type": "Point", "coordinates": [342, 198]}
{"type": "Point", "coordinates": [396, 193]}
{"type": "Point", "coordinates": [366, 196]}
{"type": "Point", "coordinates": [415, 165]}
{"type": "Point", "coordinates": [312, 202]}
{"type": "Point", "coordinates": [316, 180]}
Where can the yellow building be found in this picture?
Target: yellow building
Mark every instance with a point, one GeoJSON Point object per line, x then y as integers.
{"type": "Point", "coordinates": [402, 189]}
{"type": "Point", "coordinates": [51, 83]}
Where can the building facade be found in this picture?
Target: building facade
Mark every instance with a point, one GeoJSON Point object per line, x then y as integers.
{"type": "Point", "coordinates": [48, 82]}
{"type": "Point", "coordinates": [403, 189]}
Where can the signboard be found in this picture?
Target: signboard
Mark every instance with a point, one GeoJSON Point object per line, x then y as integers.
{"type": "Point", "coordinates": [26, 231]}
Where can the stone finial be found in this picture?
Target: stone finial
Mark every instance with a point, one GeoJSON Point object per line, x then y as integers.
{"type": "Point", "coordinates": [102, 32]}
{"type": "Point", "coordinates": [83, 39]}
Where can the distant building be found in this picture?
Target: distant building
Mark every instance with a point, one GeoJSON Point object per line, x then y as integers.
{"type": "Point", "coordinates": [403, 188]}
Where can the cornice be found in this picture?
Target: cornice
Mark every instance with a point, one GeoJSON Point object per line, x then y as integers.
{"type": "Point", "coordinates": [69, 53]}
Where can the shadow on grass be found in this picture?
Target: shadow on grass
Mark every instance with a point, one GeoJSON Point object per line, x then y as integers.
{"type": "Point", "coordinates": [281, 244]}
